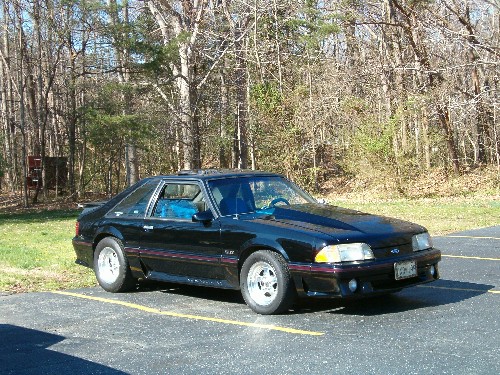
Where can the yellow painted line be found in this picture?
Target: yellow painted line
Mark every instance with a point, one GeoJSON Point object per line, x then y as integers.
{"type": "Point", "coordinates": [193, 317]}
{"type": "Point", "coordinates": [468, 257]}
{"type": "Point", "coordinates": [475, 237]}
{"type": "Point", "coordinates": [461, 289]}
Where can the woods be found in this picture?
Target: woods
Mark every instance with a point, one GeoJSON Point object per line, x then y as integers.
{"type": "Point", "coordinates": [312, 89]}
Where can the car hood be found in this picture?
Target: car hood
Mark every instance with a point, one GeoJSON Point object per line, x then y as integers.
{"type": "Point", "coordinates": [346, 225]}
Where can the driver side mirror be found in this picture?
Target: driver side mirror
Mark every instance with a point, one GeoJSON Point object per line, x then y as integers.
{"type": "Point", "coordinates": [204, 217]}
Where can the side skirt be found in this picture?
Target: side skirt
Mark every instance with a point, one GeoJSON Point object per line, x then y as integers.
{"type": "Point", "coordinates": [189, 280]}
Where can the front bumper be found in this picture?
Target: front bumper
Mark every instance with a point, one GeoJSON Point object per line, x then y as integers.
{"type": "Point", "coordinates": [372, 277]}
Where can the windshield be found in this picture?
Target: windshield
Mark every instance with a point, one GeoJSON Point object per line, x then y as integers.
{"type": "Point", "coordinates": [257, 194]}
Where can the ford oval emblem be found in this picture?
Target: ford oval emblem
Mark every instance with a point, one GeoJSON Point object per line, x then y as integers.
{"type": "Point", "coordinates": [395, 251]}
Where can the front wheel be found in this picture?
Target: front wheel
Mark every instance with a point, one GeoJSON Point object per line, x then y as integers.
{"type": "Point", "coordinates": [266, 284]}
{"type": "Point", "coordinates": [111, 266]}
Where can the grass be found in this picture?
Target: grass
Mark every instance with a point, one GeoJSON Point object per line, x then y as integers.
{"type": "Point", "coordinates": [36, 252]}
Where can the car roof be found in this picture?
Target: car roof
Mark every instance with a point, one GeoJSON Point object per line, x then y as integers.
{"type": "Point", "coordinates": [212, 174]}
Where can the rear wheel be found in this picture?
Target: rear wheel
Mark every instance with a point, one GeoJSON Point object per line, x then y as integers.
{"type": "Point", "coordinates": [266, 284]}
{"type": "Point", "coordinates": [111, 266]}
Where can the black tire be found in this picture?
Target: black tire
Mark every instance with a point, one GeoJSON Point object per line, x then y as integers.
{"type": "Point", "coordinates": [111, 266]}
{"type": "Point", "coordinates": [266, 284]}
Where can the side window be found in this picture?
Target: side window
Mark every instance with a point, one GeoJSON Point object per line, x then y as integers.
{"type": "Point", "coordinates": [233, 196]}
{"type": "Point", "coordinates": [135, 204]}
{"type": "Point", "coordinates": [179, 202]}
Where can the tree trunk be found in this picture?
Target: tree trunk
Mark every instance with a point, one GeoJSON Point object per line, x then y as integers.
{"type": "Point", "coordinates": [183, 85]}
{"type": "Point", "coordinates": [432, 79]}
{"type": "Point", "coordinates": [123, 57]}
{"type": "Point", "coordinates": [10, 159]}
{"type": "Point", "coordinates": [240, 142]}
{"type": "Point", "coordinates": [482, 127]}
{"type": "Point", "coordinates": [183, 20]}
{"type": "Point", "coordinates": [223, 117]}
{"type": "Point", "coordinates": [22, 112]}
{"type": "Point", "coordinates": [444, 119]}
{"type": "Point", "coordinates": [72, 114]}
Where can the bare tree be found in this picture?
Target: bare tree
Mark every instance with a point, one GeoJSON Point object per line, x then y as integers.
{"type": "Point", "coordinates": [180, 21]}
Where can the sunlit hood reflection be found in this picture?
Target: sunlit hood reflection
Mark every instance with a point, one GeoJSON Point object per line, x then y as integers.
{"type": "Point", "coordinates": [333, 217]}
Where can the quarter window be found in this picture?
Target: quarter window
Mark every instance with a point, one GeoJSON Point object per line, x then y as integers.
{"type": "Point", "coordinates": [136, 203]}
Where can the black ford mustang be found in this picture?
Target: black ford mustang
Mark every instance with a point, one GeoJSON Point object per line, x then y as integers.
{"type": "Point", "coordinates": [253, 231]}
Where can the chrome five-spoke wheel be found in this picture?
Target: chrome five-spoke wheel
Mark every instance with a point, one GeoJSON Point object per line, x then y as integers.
{"type": "Point", "coordinates": [111, 266]}
{"type": "Point", "coordinates": [262, 283]}
{"type": "Point", "coordinates": [266, 284]}
{"type": "Point", "coordinates": [108, 265]}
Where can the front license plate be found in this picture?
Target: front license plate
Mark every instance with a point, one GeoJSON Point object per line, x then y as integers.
{"type": "Point", "coordinates": [405, 270]}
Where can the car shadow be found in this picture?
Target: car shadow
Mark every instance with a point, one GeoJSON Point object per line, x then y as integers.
{"type": "Point", "coordinates": [207, 293]}
{"type": "Point", "coordinates": [438, 293]}
{"type": "Point", "coordinates": [27, 351]}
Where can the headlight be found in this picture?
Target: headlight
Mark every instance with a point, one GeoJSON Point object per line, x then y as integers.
{"type": "Point", "coordinates": [348, 252]}
{"type": "Point", "coordinates": [421, 241]}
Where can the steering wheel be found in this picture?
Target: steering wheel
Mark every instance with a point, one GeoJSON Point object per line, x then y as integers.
{"type": "Point", "coordinates": [278, 200]}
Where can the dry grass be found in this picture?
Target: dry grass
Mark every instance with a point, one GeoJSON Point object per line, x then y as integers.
{"type": "Point", "coordinates": [483, 183]}
{"type": "Point", "coordinates": [441, 202]}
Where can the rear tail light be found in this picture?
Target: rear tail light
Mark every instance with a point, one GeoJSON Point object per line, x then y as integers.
{"type": "Point", "coordinates": [77, 228]}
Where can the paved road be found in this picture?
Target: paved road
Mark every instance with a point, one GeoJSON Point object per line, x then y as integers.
{"type": "Point", "coordinates": [451, 326]}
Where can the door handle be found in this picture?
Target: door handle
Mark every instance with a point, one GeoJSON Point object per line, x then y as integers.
{"type": "Point", "coordinates": [148, 227]}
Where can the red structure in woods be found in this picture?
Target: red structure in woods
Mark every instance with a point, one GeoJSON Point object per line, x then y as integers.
{"type": "Point", "coordinates": [56, 172]}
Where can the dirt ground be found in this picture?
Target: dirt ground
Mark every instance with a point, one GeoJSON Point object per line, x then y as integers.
{"type": "Point", "coordinates": [479, 182]}
{"type": "Point", "coordinates": [13, 202]}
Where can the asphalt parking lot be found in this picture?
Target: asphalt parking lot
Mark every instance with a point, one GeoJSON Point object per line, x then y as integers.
{"type": "Point", "coordinates": [451, 326]}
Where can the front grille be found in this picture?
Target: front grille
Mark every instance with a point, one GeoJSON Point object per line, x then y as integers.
{"type": "Point", "coordinates": [393, 251]}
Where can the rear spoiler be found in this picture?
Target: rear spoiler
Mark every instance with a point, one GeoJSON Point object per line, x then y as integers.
{"type": "Point", "coordinates": [91, 204]}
